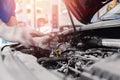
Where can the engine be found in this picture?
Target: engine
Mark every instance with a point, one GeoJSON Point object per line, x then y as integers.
{"type": "Point", "coordinates": [72, 56]}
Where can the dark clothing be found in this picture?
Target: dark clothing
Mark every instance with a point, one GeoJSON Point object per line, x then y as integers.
{"type": "Point", "coordinates": [7, 9]}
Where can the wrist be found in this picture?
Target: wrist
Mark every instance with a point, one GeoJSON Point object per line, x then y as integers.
{"type": "Point", "coordinates": [2, 28]}
{"type": "Point", "coordinates": [6, 32]}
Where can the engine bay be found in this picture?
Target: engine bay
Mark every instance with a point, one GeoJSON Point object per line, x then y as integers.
{"type": "Point", "coordinates": [71, 55]}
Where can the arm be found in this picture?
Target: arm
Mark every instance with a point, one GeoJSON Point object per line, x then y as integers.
{"type": "Point", "coordinates": [12, 21]}
{"type": "Point", "coordinates": [7, 19]}
{"type": "Point", "coordinates": [16, 34]}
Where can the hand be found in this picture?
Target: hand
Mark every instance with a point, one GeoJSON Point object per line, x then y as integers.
{"type": "Point", "coordinates": [42, 42]}
{"type": "Point", "coordinates": [17, 34]}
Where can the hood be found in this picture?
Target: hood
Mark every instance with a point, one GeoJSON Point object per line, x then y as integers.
{"type": "Point", "coordinates": [84, 10]}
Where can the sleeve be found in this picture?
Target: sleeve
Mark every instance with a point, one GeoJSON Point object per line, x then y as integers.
{"type": "Point", "coordinates": [7, 9]}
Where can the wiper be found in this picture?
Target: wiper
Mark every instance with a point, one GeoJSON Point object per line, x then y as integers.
{"type": "Point", "coordinates": [112, 17]}
{"type": "Point", "coordinates": [107, 19]}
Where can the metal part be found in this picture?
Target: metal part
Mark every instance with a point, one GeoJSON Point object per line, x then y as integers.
{"type": "Point", "coordinates": [72, 20]}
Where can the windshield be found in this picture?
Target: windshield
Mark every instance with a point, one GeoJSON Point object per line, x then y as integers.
{"type": "Point", "coordinates": [112, 14]}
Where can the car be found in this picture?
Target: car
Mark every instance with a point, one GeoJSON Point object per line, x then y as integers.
{"type": "Point", "coordinates": [85, 52]}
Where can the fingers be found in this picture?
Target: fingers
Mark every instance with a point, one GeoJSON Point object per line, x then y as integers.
{"type": "Point", "coordinates": [36, 34]}
{"type": "Point", "coordinates": [28, 42]}
{"type": "Point", "coordinates": [42, 42]}
{"type": "Point", "coordinates": [26, 39]}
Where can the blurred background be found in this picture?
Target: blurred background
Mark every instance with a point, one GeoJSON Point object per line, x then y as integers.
{"type": "Point", "coordinates": [42, 13]}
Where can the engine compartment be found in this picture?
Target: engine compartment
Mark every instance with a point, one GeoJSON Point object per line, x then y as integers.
{"type": "Point", "coordinates": [72, 55]}
{"type": "Point", "coordinates": [77, 54]}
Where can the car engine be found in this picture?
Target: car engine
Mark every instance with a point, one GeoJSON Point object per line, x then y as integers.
{"type": "Point", "coordinates": [73, 55]}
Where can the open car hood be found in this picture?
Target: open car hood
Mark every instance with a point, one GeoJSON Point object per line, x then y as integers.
{"type": "Point", "coordinates": [84, 10]}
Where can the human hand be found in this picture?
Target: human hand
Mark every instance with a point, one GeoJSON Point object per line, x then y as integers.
{"type": "Point", "coordinates": [17, 34]}
{"type": "Point", "coordinates": [42, 42]}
